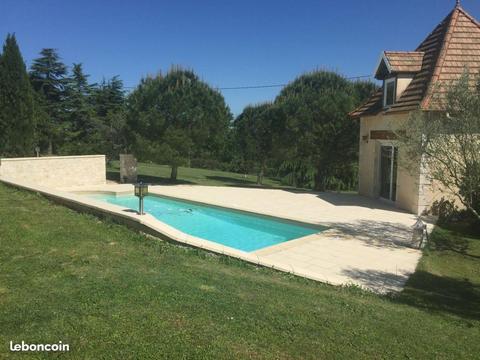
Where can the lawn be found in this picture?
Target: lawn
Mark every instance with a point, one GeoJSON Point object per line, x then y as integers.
{"type": "Point", "coordinates": [160, 174]}
{"type": "Point", "coordinates": [112, 293]}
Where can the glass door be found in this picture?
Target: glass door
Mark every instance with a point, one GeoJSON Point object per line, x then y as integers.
{"type": "Point", "coordinates": [388, 172]}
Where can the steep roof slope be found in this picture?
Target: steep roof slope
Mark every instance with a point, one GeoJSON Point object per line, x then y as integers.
{"type": "Point", "coordinates": [404, 61]}
{"type": "Point", "coordinates": [451, 47]}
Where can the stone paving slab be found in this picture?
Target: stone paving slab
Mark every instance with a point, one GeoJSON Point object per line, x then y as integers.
{"type": "Point", "coordinates": [368, 243]}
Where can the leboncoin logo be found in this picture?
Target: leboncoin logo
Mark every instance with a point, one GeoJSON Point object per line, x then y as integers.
{"type": "Point", "coordinates": [23, 346]}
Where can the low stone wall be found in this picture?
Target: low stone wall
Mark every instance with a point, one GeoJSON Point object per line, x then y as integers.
{"type": "Point", "coordinates": [56, 171]}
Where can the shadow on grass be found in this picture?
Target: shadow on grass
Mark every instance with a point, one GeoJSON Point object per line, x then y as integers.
{"type": "Point", "coordinates": [429, 292]}
{"type": "Point", "coordinates": [432, 289]}
{"type": "Point", "coordinates": [459, 295]}
{"type": "Point", "coordinates": [227, 179]}
{"type": "Point", "coordinates": [456, 243]}
{"type": "Point", "coordinates": [468, 227]}
{"type": "Point", "coordinates": [243, 183]}
{"type": "Point", "coordinates": [154, 180]}
{"type": "Point", "coordinates": [442, 294]}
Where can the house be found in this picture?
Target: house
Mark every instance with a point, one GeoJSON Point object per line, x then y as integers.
{"type": "Point", "coordinates": [410, 80]}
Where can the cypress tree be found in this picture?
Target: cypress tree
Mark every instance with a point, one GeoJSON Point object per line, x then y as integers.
{"type": "Point", "coordinates": [17, 104]}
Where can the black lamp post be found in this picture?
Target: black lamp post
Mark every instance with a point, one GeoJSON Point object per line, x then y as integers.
{"type": "Point", "coordinates": [141, 190]}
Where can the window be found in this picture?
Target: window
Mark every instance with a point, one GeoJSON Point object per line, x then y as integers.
{"type": "Point", "coordinates": [388, 172]}
{"type": "Point", "coordinates": [389, 92]}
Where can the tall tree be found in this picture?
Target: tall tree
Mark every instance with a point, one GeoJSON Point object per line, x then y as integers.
{"type": "Point", "coordinates": [320, 140]}
{"type": "Point", "coordinates": [79, 125]}
{"type": "Point", "coordinates": [48, 77]}
{"type": "Point", "coordinates": [109, 96]}
{"type": "Point", "coordinates": [254, 131]}
{"type": "Point", "coordinates": [17, 104]}
{"type": "Point", "coordinates": [177, 117]}
{"type": "Point", "coordinates": [110, 108]}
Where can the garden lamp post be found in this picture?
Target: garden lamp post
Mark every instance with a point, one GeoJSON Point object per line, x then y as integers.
{"type": "Point", "coordinates": [141, 190]}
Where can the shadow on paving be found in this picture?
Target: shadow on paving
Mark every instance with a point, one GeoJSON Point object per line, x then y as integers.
{"type": "Point", "coordinates": [347, 199]}
{"type": "Point", "coordinates": [149, 179]}
{"type": "Point", "coordinates": [378, 234]}
{"type": "Point", "coordinates": [377, 280]}
{"type": "Point", "coordinates": [341, 199]}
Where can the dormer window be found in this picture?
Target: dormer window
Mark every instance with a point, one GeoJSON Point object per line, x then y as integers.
{"type": "Point", "coordinates": [397, 69]}
{"type": "Point", "coordinates": [389, 92]}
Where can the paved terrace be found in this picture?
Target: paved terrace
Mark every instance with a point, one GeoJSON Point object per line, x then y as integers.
{"type": "Point", "coordinates": [368, 243]}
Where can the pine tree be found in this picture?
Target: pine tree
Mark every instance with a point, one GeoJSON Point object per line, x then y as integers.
{"type": "Point", "coordinates": [320, 140]}
{"type": "Point", "coordinates": [17, 104]}
{"type": "Point", "coordinates": [48, 77]}
{"type": "Point", "coordinates": [109, 96]}
{"type": "Point", "coordinates": [79, 121]}
{"type": "Point", "coordinates": [254, 131]}
{"type": "Point", "coordinates": [109, 102]}
{"type": "Point", "coordinates": [177, 118]}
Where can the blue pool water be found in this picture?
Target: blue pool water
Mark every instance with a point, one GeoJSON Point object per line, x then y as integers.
{"type": "Point", "coordinates": [236, 229]}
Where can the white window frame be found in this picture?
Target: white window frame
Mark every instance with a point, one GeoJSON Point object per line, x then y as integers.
{"type": "Point", "coordinates": [386, 82]}
{"type": "Point", "coordinates": [392, 145]}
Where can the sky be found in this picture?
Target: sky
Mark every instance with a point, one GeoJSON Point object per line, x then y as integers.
{"type": "Point", "coordinates": [227, 43]}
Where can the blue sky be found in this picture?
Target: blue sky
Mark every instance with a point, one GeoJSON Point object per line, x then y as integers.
{"type": "Point", "coordinates": [228, 43]}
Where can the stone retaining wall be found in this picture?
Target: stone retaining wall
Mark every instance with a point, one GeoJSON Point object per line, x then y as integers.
{"type": "Point", "coordinates": [55, 171]}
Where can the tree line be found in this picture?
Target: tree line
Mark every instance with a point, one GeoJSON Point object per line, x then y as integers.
{"type": "Point", "coordinates": [304, 137]}
{"type": "Point", "coordinates": [55, 109]}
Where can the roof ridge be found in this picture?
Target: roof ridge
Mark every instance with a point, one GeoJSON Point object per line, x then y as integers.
{"type": "Point", "coordinates": [440, 24]}
{"type": "Point", "coordinates": [447, 47]}
{"type": "Point", "coordinates": [470, 17]}
{"type": "Point", "coordinates": [440, 58]}
{"type": "Point", "coordinates": [404, 52]}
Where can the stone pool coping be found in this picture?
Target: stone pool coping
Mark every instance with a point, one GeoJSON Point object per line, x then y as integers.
{"type": "Point", "coordinates": [335, 256]}
{"type": "Point", "coordinates": [152, 226]}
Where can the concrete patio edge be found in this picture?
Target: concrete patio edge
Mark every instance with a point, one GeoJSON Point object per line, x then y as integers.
{"type": "Point", "coordinates": [149, 225]}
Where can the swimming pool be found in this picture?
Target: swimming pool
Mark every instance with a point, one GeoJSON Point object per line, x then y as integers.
{"type": "Point", "coordinates": [236, 229]}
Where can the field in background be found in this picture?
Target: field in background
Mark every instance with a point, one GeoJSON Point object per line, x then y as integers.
{"type": "Point", "coordinates": [160, 174]}
{"type": "Point", "coordinates": [112, 293]}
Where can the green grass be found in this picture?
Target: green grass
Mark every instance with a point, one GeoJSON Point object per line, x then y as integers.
{"type": "Point", "coordinates": [153, 173]}
{"type": "Point", "coordinates": [112, 293]}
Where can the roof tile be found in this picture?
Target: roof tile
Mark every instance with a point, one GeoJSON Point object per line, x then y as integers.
{"type": "Point", "coordinates": [448, 50]}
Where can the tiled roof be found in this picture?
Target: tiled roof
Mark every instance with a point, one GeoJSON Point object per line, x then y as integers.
{"type": "Point", "coordinates": [404, 61]}
{"type": "Point", "coordinates": [450, 48]}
